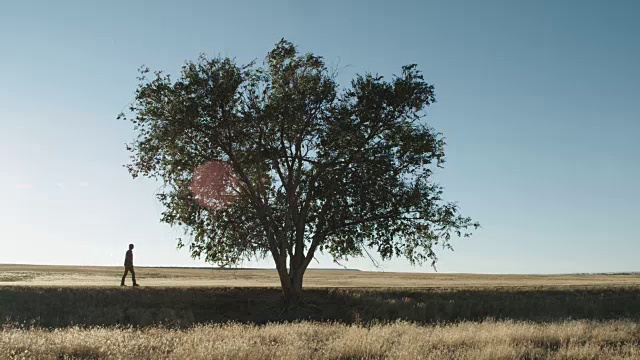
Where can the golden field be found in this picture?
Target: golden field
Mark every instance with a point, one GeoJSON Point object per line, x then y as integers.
{"type": "Point", "coordinates": [60, 275]}
{"type": "Point", "coordinates": [468, 340]}
{"type": "Point", "coordinates": [66, 312]}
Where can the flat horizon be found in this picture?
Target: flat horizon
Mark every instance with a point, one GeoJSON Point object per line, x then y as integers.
{"type": "Point", "coordinates": [319, 269]}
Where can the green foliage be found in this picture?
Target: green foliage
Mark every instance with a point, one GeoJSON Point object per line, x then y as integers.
{"type": "Point", "coordinates": [318, 167]}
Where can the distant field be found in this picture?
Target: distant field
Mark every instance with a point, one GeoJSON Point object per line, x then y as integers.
{"type": "Point", "coordinates": [67, 312]}
{"type": "Point", "coordinates": [50, 275]}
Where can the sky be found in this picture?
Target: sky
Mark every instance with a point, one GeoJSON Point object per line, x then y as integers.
{"type": "Point", "coordinates": [538, 101]}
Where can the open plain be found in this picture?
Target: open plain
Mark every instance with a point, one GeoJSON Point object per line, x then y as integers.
{"type": "Point", "coordinates": [67, 312]}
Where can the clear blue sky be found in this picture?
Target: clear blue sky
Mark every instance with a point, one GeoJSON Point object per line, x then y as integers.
{"type": "Point", "coordinates": [538, 101]}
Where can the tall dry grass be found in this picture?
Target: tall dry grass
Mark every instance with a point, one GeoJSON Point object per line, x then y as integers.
{"type": "Point", "coordinates": [307, 340]}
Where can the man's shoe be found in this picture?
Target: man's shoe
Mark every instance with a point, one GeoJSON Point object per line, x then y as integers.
{"type": "Point", "coordinates": [136, 285]}
{"type": "Point", "coordinates": [123, 285]}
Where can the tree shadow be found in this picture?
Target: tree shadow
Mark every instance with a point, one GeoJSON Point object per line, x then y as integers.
{"type": "Point", "coordinates": [183, 307]}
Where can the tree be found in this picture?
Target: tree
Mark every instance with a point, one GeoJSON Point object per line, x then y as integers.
{"type": "Point", "coordinates": [295, 164]}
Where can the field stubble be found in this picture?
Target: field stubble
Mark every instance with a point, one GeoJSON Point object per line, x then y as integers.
{"type": "Point", "coordinates": [186, 314]}
{"type": "Point", "coordinates": [466, 340]}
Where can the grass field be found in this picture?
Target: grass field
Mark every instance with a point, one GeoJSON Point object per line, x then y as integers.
{"type": "Point", "coordinates": [68, 312]}
{"type": "Point", "coordinates": [50, 275]}
{"type": "Point", "coordinates": [487, 340]}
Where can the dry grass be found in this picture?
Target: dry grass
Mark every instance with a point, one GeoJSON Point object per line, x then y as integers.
{"type": "Point", "coordinates": [57, 312]}
{"type": "Point", "coordinates": [60, 276]}
{"type": "Point", "coordinates": [487, 340]}
{"type": "Point", "coordinates": [185, 307]}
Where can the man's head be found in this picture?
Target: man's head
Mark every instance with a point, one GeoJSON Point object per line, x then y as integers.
{"type": "Point", "coordinates": [130, 246]}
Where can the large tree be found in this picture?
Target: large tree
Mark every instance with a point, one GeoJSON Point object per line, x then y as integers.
{"type": "Point", "coordinates": [276, 159]}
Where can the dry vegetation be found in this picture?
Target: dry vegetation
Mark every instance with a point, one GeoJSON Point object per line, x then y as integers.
{"type": "Point", "coordinates": [487, 340]}
{"type": "Point", "coordinates": [53, 313]}
{"type": "Point", "coordinates": [53, 307]}
{"type": "Point", "coordinates": [61, 276]}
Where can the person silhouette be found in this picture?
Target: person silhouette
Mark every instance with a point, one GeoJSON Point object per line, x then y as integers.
{"type": "Point", "coordinates": [128, 266]}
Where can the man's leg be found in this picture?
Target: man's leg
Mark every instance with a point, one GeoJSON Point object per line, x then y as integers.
{"type": "Point", "coordinates": [133, 276]}
{"type": "Point", "coordinates": [126, 271]}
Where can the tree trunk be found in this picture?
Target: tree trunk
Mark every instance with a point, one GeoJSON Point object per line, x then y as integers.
{"type": "Point", "coordinates": [291, 286]}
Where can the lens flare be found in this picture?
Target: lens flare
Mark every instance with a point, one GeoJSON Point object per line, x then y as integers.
{"type": "Point", "coordinates": [214, 184]}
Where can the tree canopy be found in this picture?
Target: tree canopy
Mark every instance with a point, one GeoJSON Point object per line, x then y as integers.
{"type": "Point", "coordinates": [275, 159]}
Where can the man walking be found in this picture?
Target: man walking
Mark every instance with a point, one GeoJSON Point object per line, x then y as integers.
{"type": "Point", "coordinates": [128, 266]}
